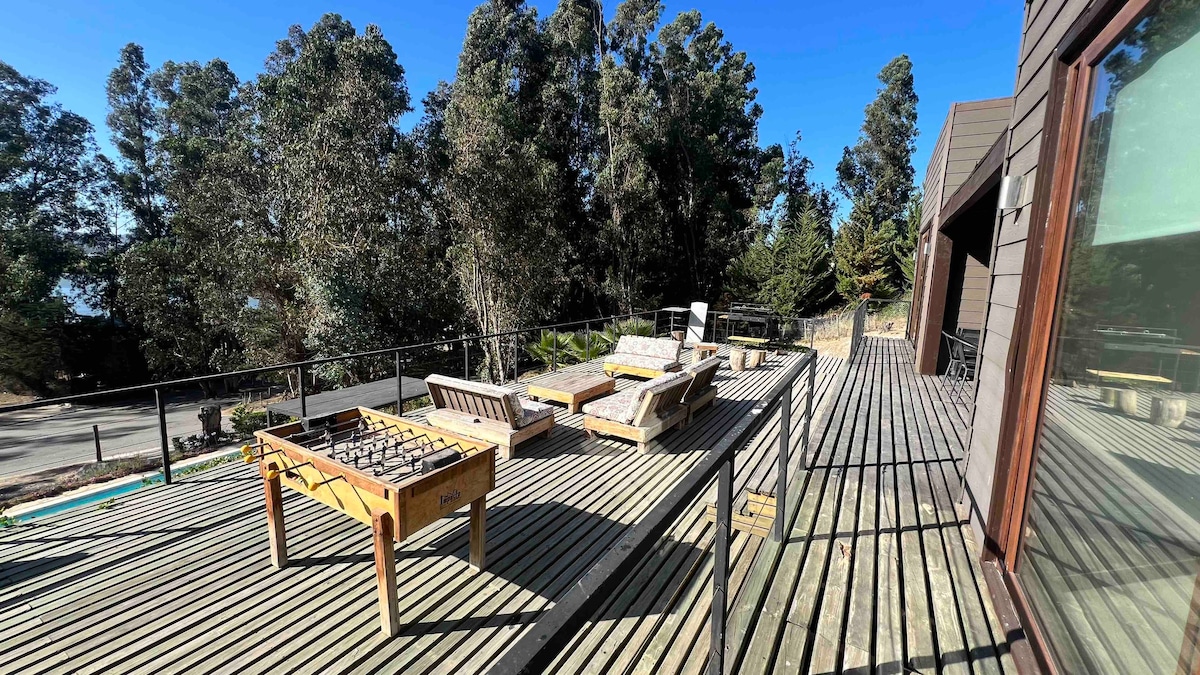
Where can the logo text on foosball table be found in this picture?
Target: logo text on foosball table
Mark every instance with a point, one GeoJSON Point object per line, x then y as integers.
{"type": "Point", "coordinates": [449, 497]}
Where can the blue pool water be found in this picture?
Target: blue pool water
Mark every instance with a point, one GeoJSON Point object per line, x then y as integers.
{"type": "Point", "coordinates": [93, 498]}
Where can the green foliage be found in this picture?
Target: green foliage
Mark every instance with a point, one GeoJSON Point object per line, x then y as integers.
{"type": "Point", "coordinates": [245, 420]}
{"type": "Point", "coordinates": [905, 246]}
{"type": "Point", "coordinates": [677, 167]}
{"type": "Point", "coordinates": [863, 255]}
{"type": "Point", "coordinates": [877, 175]}
{"type": "Point", "coordinates": [879, 165]}
{"type": "Point", "coordinates": [545, 349]}
{"type": "Point", "coordinates": [573, 165]}
{"type": "Point", "coordinates": [586, 346]}
{"type": "Point", "coordinates": [790, 269]}
{"type": "Point", "coordinates": [50, 209]}
{"type": "Point", "coordinates": [632, 326]}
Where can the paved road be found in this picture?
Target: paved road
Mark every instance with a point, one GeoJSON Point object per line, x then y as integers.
{"type": "Point", "coordinates": [38, 439]}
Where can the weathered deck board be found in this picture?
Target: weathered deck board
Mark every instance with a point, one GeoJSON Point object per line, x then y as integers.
{"type": "Point", "coordinates": [877, 573]}
{"type": "Point", "coordinates": [176, 579]}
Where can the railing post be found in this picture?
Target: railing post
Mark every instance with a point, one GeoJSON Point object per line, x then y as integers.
{"type": "Point", "coordinates": [808, 401]}
{"type": "Point", "coordinates": [587, 340]}
{"type": "Point", "coordinates": [96, 437]}
{"type": "Point", "coordinates": [303, 402]}
{"type": "Point", "coordinates": [514, 347]}
{"type": "Point", "coordinates": [162, 436]}
{"type": "Point", "coordinates": [716, 655]}
{"type": "Point", "coordinates": [399, 385]}
{"type": "Point", "coordinates": [655, 331]}
{"type": "Point", "coordinates": [466, 359]}
{"type": "Point", "coordinates": [554, 358]}
{"type": "Point", "coordinates": [785, 432]}
{"type": "Point", "coordinates": [672, 322]}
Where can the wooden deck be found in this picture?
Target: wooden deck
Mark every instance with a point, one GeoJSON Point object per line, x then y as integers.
{"type": "Point", "coordinates": [177, 578]}
{"type": "Point", "coordinates": [878, 574]}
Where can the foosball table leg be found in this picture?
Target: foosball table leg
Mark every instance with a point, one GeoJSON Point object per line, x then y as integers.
{"type": "Point", "coordinates": [384, 529]}
{"type": "Point", "coordinates": [478, 532]}
{"type": "Point", "coordinates": [275, 521]}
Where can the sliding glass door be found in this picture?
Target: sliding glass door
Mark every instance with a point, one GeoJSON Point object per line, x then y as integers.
{"type": "Point", "coordinates": [1109, 562]}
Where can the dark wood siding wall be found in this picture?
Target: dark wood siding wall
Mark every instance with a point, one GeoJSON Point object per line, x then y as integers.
{"type": "Point", "coordinates": [973, 307]}
{"type": "Point", "coordinates": [968, 133]}
{"type": "Point", "coordinates": [975, 126]}
{"type": "Point", "coordinates": [1046, 21]}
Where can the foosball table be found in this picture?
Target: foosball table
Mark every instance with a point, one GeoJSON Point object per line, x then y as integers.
{"type": "Point", "coordinates": [393, 474]}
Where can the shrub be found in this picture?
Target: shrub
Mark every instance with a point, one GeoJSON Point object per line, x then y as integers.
{"type": "Point", "coordinates": [246, 421]}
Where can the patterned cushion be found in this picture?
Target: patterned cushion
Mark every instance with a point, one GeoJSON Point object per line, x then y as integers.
{"type": "Point", "coordinates": [640, 361]}
{"type": "Point", "coordinates": [618, 407]}
{"type": "Point", "coordinates": [479, 388]}
{"type": "Point", "coordinates": [648, 346]}
{"type": "Point", "coordinates": [623, 407]}
{"type": "Point", "coordinates": [532, 411]}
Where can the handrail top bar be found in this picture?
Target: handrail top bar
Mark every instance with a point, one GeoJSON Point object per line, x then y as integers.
{"type": "Point", "coordinates": [533, 652]}
{"type": "Point", "coordinates": [149, 387]}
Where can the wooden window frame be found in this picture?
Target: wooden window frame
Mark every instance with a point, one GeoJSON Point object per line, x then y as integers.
{"type": "Point", "coordinates": [1089, 39]}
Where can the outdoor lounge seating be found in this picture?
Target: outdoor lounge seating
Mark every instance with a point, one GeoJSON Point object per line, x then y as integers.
{"type": "Point", "coordinates": [641, 413]}
{"type": "Point", "coordinates": [487, 412]}
{"type": "Point", "coordinates": [643, 356]}
{"type": "Point", "coordinates": [700, 391]}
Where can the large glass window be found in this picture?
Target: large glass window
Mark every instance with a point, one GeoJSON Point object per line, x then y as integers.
{"type": "Point", "coordinates": [1111, 553]}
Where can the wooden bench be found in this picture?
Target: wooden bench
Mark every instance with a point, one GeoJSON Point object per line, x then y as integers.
{"type": "Point", "coordinates": [487, 412]}
{"type": "Point", "coordinates": [656, 406]}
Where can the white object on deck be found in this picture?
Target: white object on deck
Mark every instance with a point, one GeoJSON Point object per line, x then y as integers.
{"type": "Point", "coordinates": [696, 319]}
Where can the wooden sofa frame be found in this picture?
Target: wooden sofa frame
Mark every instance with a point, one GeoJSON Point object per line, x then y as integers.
{"type": "Point", "coordinates": [486, 417]}
{"type": "Point", "coordinates": [700, 392]}
{"type": "Point", "coordinates": [657, 413]}
{"type": "Point", "coordinates": [611, 369]}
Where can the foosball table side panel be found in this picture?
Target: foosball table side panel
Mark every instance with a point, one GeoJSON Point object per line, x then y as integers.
{"type": "Point", "coordinates": [444, 491]}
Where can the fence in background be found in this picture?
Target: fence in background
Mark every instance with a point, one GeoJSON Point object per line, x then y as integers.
{"type": "Point", "coordinates": [133, 422]}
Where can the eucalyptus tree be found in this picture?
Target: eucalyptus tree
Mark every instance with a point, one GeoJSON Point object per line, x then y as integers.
{"type": "Point", "coordinates": [679, 167]}
{"type": "Point", "coordinates": [49, 204]}
{"type": "Point", "coordinates": [183, 290]}
{"type": "Point", "coordinates": [508, 241]}
{"type": "Point", "coordinates": [878, 169]}
{"type": "Point", "coordinates": [633, 232]}
{"type": "Point", "coordinates": [133, 122]}
{"type": "Point", "coordinates": [879, 165]}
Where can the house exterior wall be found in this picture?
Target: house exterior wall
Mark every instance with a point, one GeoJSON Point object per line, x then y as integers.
{"type": "Point", "coordinates": [969, 131]}
{"type": "Point", "coordinates": [1046, 22]}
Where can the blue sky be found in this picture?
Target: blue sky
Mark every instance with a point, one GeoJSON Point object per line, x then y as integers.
{"type": "Point", "coordinates": [816, 60]}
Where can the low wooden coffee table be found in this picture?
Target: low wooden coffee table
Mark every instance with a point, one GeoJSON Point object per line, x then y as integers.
{"type": "Point", "coordinates": [574, 389]}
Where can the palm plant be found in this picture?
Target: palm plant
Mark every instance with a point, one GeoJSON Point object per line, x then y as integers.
{"type": "Point", "coordinates": [587, 346]}
{"type": "Point", "coordinates": [544, 349]}
{"type": "Point", "coordinates": [633, 326]}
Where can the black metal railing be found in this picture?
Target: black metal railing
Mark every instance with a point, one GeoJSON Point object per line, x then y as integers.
{"type": "Point", "coordinates": [302, 370]}
{"type": "Point", "coordinates": [535, 651]}
{"type": "Point", "coordinates": [862, 313]}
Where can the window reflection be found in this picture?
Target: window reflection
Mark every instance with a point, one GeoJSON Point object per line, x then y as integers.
{"type": "Point", "coordinates": [1112, 550]}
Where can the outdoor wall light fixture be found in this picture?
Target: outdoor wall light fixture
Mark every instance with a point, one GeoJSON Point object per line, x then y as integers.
{"type": "Point", "coordinates": [1012, 192]}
